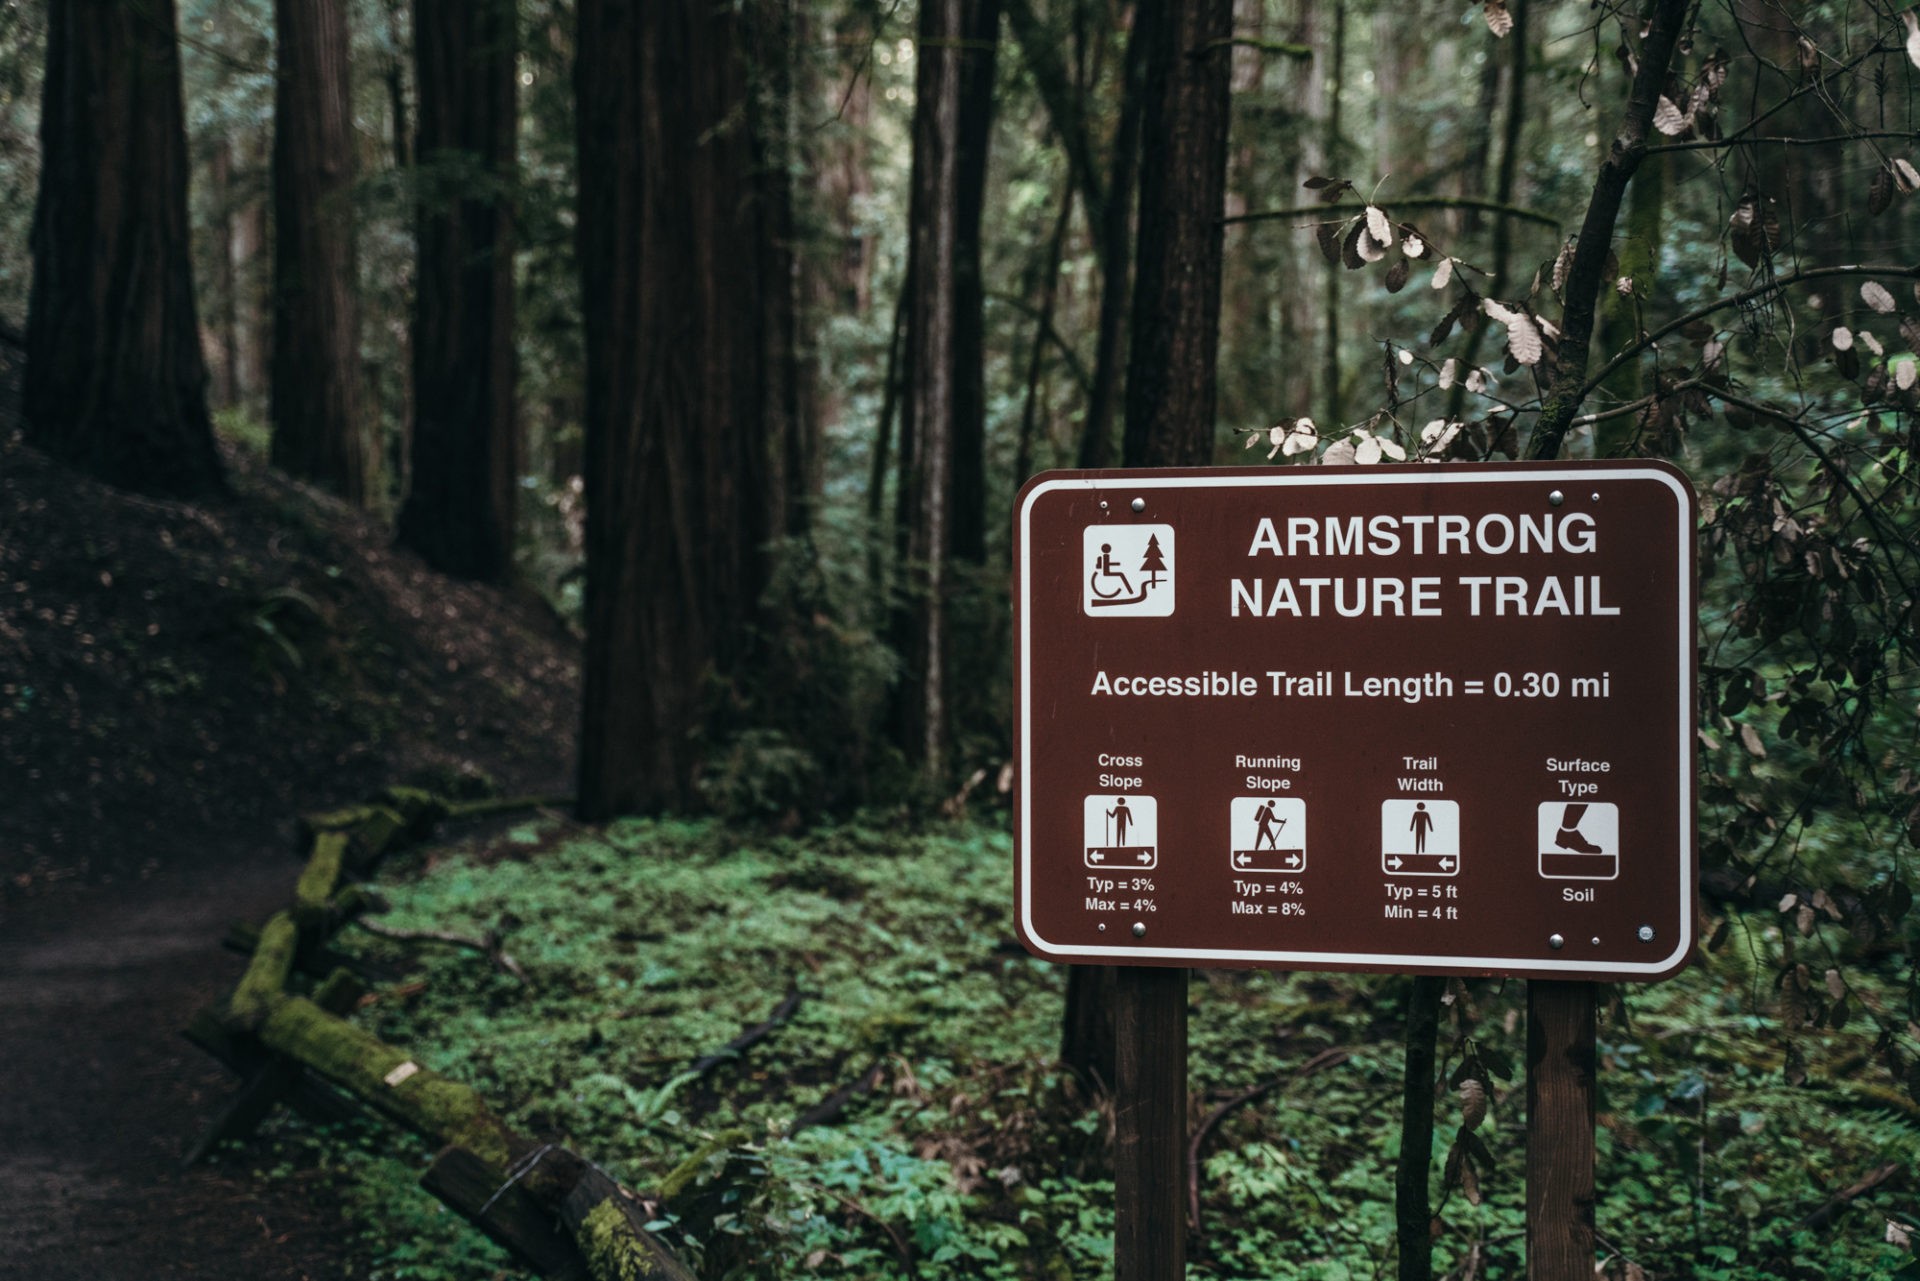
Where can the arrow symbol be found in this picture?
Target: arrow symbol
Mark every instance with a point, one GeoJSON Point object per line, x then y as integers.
{"type": "Point", "coordinates": [1096, 856]}
{"type": "Point", "coordinates": [1293, 860]}
{"type": "Point", "coordinates": [1242, 859]}
{"type": "Point", "coordinates": [1394, 862]}
{"type": "Point", "coordinates": [1446, 865]}
{"type": "Point", "coordinates": [1145, 857]}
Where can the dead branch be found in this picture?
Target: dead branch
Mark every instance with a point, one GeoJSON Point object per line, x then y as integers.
{"type": "Point", "coordinates": [488, 945]}
{"type": "Point", "coordinates": [750, 1037]}
{"type": "Point", "coordinates": [828, 1110]}
{"type": "Point", "coordinates": [1319, 212]}
{"type": "Point", "coordinates": [1839, 1201]}
{"type": "Point", "coordinates": [1330, 1057]}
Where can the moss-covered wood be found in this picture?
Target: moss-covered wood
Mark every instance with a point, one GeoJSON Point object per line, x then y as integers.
{"type": "Point", "coordinates": [265, 981]}
{"type": "Point", "coordinates": [313, 893]}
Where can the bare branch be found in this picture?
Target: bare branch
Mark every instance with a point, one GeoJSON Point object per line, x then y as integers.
{"type": "Point", "coordinates": [1409, 202]}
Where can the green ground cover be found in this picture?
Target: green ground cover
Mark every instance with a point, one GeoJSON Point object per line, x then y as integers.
{"type": "Point", "coordinates": [650, 944]}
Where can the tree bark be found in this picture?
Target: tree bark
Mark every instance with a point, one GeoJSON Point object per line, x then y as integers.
{"type": "Point", "coordinates": [1115, 229]}
{"type": "Point", "coordinates": [115, 381]}
{"type": "Point", "coordinates": [681, 464]}
{"type": "Point", "coordinates": [459, 511]}
{"type": "Point", "coordinates": [1183, 172]}
{"type": "Point", "coordinates": [1563, 398]}
{"type": "Point", "coordinates": [942, 432]}
{"type": "Point", "coordinates": [318, 434]}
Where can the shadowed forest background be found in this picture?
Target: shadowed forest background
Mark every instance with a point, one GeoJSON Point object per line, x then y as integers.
{"type": "Point", "coordinates": [552, 465]}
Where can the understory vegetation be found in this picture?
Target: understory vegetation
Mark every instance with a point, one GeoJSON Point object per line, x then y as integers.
{"type": "Point", "coordinates": [904, 1114]}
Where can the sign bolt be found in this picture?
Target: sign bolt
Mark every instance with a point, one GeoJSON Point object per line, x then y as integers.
{"type": "Point", "coordinates": [1139, 504]}
{"type": "Point", "coordinates": [1139, 929]}
{"type": "Point", "coordinates": [1556, 498]}
{"type": "Point", "coordinates": [1646, 934]}
{"type": "Point", "coordinates": [1103, 927]}
{"type": "Point", "coordinates": [1596, 940]}
{"type": "Point", "coordinates": [1556, 941]}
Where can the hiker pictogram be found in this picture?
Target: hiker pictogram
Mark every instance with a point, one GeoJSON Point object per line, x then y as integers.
{"type": "Point", "coordinates": [1269, 834]}
{"type": "Point", "coordinates": [1129, 570]}
{"type": "Point", "coordinates": [1121, 831]}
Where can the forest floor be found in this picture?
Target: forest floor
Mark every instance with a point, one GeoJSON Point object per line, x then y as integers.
{"type": "Point", "coordinates": [177, 682]}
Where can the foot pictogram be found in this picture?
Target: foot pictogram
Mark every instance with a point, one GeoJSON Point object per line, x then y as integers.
{"type": "Point", "coordinates": [1569, 838]}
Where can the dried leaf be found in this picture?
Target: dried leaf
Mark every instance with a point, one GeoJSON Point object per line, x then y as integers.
{"type": "Point", "coordinates": [1378, 226]}
{"type": "Point", "coordinates": [1397, 275]}
{"type": "Point", "coordinates": [1903, 375]}
{"type": "Point", "coordinates": [1473, 1103]}
{"type": "Point", "coordinates": [1803, 919]}
{"type": "Point", "coordinates": [1562, 263]}
{"type": "Point", "coordinates": [1469, 1181]}
{"type": "Point", "coordinates": [1500, 22]}
{"type": "Point", "coordinates": [1842, 338]}
{"type": "Point", "coordinates": [1836, 986]}
{"type": "Point", "coordinates": [1750, 739]}
{"type": "Point", "coordinates": [1448, 372]}
{"type": "Point", "coordinates": [1871, 343]}
{"type": "Point", "coordinates": [1443, 273]}
{"type": "Point", "coordinates": [1669, 119]}
{"type": "Point", "coordinates": [1875, 295]}
{"type": "Point", "coordinates": [1328, 234]}
{"type": "Point", "coordinates": [1523, 336]}
{"type": "Point", "coordinates": [1880, 190]}
{"type": "Point", "coordinates": [1338, 453]}
{"type": "Point", "coordinates": [1906, 179]}
{"type": "Point", "coordinates": [1413, 246]}
{"type": "Point", "coordinates": [1330, 189]}
{"type": "Point", "coordinates": [1370, 250]}
{"type": "Point", "coordinates": [1350, 254]}
{"type": "Point", "coordinates": [1913, 36]}
{"type": "Point", "coordinates": [1754, 230]}
{"type": "Point", "coordinates": [1301, 438]}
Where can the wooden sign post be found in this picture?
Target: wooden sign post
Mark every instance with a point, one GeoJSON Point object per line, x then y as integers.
{"type": "Point", "coordinates": [1434, 720]}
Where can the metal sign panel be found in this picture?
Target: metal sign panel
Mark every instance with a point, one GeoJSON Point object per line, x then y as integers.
{"type": "Point", "coordinates": [1432, 719]}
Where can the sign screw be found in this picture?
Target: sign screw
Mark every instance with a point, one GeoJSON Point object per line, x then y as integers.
{"type": "Point", "coordinates": [1556, 498]}
{"type": "Point", "coordinates": [1139, 504]}
{"type": "Point", "coordinates": [1103, 927]}
{"type": "Point", "coordinates": [1556, 941]}
{"type": "Point", "coordinates": [1646, 934]}
{"type": "Point", "coordinates": [1596, 940]}
{"type": "Point", "coordinates": [1139, 929]}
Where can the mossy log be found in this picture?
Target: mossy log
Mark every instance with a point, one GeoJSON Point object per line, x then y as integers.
{"type": "Point", "coordinates": [313, 893]}
{"type": "Point", "coordinates": [616, 1247]}
{"type": "Point", "coordinates": [265, 981]}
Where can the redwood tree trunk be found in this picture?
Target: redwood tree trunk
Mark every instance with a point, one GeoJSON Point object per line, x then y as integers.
{"type": "Point", "coordinates": [459, 510]}
{"type": "Point", "coordinates": [317, 431]}
{"type": "Point", "coordinates": [1176, 324]}
{"type": "Point", "coordinates": [680, 466]}
{"type": "Point", "coordinates": [115, 379]}
{"type": "Point", "coordinates": [942, 436]}
{"type": "Point", "coordinates": [1183, 183]}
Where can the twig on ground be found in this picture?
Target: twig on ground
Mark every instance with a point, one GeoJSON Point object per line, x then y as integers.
{"type": "Point", "coordinates": [488, 945]}
{"type": "Point", "coordinates": [750, 1037]}
{"type": "Point", "coordinates": [1330, 1057]}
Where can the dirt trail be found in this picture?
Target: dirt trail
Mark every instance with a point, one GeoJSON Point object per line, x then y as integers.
{"type": "Point", "coordinates": [177, 683]}
{"type": "Point", "coordinates": [101, 1094]}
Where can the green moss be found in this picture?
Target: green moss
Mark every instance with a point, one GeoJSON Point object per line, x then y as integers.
{"type": "Point", "coordinates": [266, 978]}
{"type": "Point", "coordinates": [613, 1252]}
{"type": "Point", "coordinates": [317, 882]}
{"type": "Point", "coordinates": [684, 1175]}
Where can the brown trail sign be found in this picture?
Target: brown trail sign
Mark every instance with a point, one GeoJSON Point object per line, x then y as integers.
{"type": "Point", "coordinates": [1426, 719]}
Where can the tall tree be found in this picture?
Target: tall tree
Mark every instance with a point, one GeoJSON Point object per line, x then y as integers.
{"type": "Point", "coordinates": [942, 492]}
{"type": "Point", "coordinates": [1183, 179]}
{"type": "Point", "coordinates": [115, 380]}
{"type": "Point", "coordinates": [1170, 410]}
{"type": "Point", "coordinates": [459, 509]}
{"type": "Point", "coordinates": [318, 434]}
{"type": "Point", "coordinates": [683, 447]}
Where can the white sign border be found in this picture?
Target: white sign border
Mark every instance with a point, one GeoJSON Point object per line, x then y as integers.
{"type": "Point", "coordinates": [1240, 478]}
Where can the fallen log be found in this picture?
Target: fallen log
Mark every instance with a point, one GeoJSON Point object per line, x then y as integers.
{"type": "Point", "coordinates": [313, 892]}
{"type": "Point", "coordinates": [265, 979]}
{"type": "Point", "coordinates": [508, 1214]}
{"type": "Point", "coordinates": [489, 946]}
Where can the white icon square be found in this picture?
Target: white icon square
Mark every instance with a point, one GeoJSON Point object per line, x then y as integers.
{"type": "Point", "coordinates": [1121, 831]}
{"type": "Point", "coordinates": [1419, 837]}
{"type": "Point", "coordinates": [1269, 834]}
{"type": "Point", "coordinates": [1127, 571]}
{"type": "Point", "coordinates": [1579, 840]}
